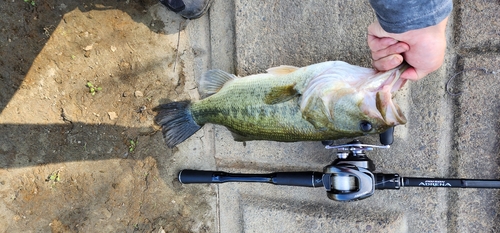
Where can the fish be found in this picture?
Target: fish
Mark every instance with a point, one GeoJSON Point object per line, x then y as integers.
{"type": "Point", "coordinates": [323, 101]}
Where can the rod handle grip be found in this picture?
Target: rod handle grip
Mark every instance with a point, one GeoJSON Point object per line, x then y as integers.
{"type": "Point", "coordinates": [303, 179]}
{"type": "Point", "coordinates": [188, 176]}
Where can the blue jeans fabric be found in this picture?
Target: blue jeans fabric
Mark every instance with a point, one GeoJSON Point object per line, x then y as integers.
{"type": "Point", "coordinates": [398, 16]}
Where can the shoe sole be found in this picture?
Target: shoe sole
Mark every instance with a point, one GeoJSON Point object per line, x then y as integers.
{"type": "Point", "coordinates": [201, 13]}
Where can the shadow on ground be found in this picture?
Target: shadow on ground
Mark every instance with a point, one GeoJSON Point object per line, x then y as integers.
{"type": "Point", "coordinates": [72, 160]}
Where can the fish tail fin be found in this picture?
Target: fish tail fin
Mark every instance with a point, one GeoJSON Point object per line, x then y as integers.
{"type": "Point", "coordinates": [176, 121]}
{"type": "Point", "coordinates": [212, 81]}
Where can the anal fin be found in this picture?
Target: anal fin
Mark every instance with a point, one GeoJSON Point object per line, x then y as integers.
{"type": "Point", "coordinates": [240, 138]}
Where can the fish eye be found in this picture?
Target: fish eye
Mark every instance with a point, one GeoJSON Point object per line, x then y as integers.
{"type": "Point", "coordinates": [365, 126]}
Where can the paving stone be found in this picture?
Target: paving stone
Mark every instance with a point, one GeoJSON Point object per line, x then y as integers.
{"type": "Point", "coordinates": [478, 25]}
{"type": "Point", "coordinates": [477, 143]}
{"type": "Point", "coordinates": [223, 35]}
{"type": "Point", "coordinates": [273, 33]}
{"type": "Point", "coordinates": [313, 217]}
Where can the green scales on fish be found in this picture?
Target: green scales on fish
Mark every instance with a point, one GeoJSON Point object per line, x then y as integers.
{"type": "Point", "coordinates": [323, 101]}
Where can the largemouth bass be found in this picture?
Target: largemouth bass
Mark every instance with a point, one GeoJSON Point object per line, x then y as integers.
{"type": "Point", "coordinates": [324, 101]}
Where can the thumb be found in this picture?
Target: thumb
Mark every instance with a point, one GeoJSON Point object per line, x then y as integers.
{"type": "Point", "coordinates": [413, 74]}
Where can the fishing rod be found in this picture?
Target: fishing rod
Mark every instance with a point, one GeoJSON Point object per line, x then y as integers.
{"type": "Point", "coordinates": [350, 177]}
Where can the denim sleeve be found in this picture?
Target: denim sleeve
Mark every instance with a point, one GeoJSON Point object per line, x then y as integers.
{"type": "Point", "coordinates": [398, 16]}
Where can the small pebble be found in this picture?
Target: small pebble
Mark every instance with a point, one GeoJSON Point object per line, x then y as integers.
{"type": "Point", "coordinates": [88, 47]}
{"type": "Point", "coordinates": [141, 109]}
{"type": "Point", "coordinates": [112, 115]}
{"type": "Point", "coordinates": [138, 94]}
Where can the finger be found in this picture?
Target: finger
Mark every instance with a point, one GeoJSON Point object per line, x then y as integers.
{"type": "Point", "coordinates": [379, 43]}
{"type": "Point", "coordinates": [378, 38]}
{"type": "Point", "coordinates": [397, 48]}
{"type": "Point", "coordinates": [376, 30]}
{"type": "Point", "coordinates": [388, 63]}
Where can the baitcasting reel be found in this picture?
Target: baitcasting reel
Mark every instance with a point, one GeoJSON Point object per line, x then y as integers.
{"type": "Point", "coordinates": [350, 176]}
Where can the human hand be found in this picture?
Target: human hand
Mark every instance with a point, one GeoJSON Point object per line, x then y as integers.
{"type": "Point", "coordinates": [423, 49]}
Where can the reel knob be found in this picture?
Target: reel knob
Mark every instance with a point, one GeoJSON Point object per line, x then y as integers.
{"type": "Point", "coordinates": [387, 137]}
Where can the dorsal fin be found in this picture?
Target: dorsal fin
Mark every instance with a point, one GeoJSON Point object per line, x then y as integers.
{"type": "Point", "coordinates": [281, 94]}
{"type": "Point", "coordinates": [212, 81]}
{"type": "Point", "coordinates": [281, 70]}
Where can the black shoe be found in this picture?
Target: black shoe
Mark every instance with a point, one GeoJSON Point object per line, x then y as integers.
{"type": "Point", "coordinates": [174, 5]}
{"type": "Point", "coordinates": [189, 9]}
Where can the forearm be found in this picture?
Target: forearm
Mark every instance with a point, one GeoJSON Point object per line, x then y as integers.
{"type": "Point", "coordinates": [398, 16]}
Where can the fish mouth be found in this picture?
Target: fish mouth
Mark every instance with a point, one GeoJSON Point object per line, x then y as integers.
{"type": "Point", "coordinates": [390, 111]}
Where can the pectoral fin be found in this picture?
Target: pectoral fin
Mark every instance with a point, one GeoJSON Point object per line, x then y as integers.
{"type": "Point", "coordinates": [281, 70]}
{"type": "Point", "coordinates": [281, 94]}
{"type": "Point", "coordinates": [315, 113]}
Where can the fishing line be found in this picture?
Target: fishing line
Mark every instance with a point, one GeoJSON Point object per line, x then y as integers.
{"type": "Point", "coordinates": [178, 40]}
{"type": "Point", "coordinates": [486, 71]}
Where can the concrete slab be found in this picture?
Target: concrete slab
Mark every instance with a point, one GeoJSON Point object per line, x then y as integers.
{"type": "Point", "coordinates": [446, 135]}
{"type": "Point", "coordinates": [278, 32]}
{"type": "Point", "coordinates": [477, 25]}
